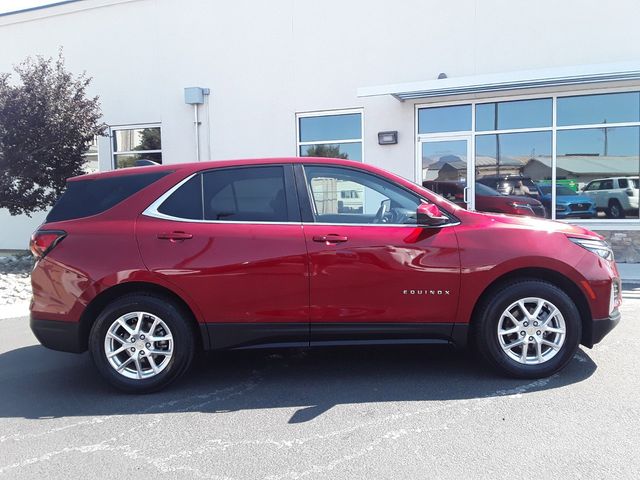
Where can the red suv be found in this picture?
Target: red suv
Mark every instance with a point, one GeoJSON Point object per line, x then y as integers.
{"type": "Point", "coordinates": [147, 265]}
{"type": "Point", "coordinates": [487, 199]}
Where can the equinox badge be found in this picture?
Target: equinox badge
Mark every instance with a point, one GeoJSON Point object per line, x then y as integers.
{"type": "Point", "coordinates": [425, 292]}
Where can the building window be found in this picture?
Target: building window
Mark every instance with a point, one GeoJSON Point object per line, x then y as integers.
{"type": "Point", "coordinates": [335, 134]}
{"type": "Point", "coordinates": [595, 163]}
{"type": "Point", "coordinates": [91, 156]}
{"type": "Point", "coordinates": [133, 145]}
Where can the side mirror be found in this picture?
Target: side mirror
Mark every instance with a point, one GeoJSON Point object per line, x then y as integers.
{"type": "Point", "coordinates": [430, 214]}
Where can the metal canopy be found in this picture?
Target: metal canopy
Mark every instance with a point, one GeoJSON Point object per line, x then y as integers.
{"type": "Point", "coordinates": [550, 77]}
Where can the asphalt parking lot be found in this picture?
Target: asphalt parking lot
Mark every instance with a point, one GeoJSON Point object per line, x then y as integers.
{"type": "Point", "coordinates": [375, 413]}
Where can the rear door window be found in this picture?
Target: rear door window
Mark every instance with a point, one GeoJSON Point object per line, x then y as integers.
{"type": "Point", "coordinates": [248, 194]}
{"type": "Point", "coordinates": [84, 198]}
{"type": "Point", "coordinates": [245, 194]}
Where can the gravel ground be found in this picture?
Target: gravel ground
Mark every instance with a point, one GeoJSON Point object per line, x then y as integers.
{"type": "Point", "coordinates": [15, 284]}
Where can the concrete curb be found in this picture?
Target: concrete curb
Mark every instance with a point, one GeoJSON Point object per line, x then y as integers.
{"type": "Point", "coordinates": [14, 310]}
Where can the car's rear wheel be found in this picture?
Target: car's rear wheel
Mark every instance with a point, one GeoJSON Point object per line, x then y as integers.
{"type": "Point", "coordinates": [140, 343]}
{"type": "Point", "coordinates": [615, 210]}
{"type": "Point", "coordinates": [528, 329]}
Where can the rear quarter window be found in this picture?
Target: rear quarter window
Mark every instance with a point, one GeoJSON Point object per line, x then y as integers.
{"type": "Point", "coordinates": [84, 198]}
{"type": "Point", "coordinates": [186, 201]}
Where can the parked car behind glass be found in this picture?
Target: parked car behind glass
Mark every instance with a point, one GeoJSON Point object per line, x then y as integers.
{"type": "Point", "coordinates": [617, 196]}
{"type": "Point", "coordinates": [487, 199]}
{"type": "Point", "coordinates": [509, 184]}
{"type": "Point", "coordinates": [569, 204]}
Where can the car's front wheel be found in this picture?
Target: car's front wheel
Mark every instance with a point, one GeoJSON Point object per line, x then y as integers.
{"type": "Point", "coordinates": [528, 329]}
{"type": "Point", "coordinates": [140, 343]}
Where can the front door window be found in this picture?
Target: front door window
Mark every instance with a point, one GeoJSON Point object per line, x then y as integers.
{"type": "Point", "coordinates": [344, 195]}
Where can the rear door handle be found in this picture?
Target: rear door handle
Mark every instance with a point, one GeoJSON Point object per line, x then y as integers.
{"type": "Point", "coordinates": [330, 238]}
{"type": "Point", "coordinates": [175, 236]}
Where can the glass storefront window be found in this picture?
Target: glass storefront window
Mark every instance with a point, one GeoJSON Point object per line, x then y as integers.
{"type": "Point", "coordinates": [602, 166]}
{"type": "Point", "coordinates": [444, 168]}
{"type": "Point", "coordinates": [514, 114]}
{"type": "Point", "coordinates": [597, 161]}
{"type": "Point", "coordinates": [456, 118]}
{"type": "Point", "coordinates": [513, 165]}
{"type": "Point", "coordinates": [597, 109]}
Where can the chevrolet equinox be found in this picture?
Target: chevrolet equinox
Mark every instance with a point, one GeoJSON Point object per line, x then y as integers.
{"type": "Point", "coordinates": [145, 266]}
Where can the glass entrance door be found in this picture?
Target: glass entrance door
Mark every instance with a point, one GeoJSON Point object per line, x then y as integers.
{"type": "Point", "coordinates": [444, 168]}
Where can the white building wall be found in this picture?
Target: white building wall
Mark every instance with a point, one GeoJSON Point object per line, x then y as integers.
{"type": "Point", "coordinates": [265, 61]}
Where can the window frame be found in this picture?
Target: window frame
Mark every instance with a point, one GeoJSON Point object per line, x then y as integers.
{"type": "Point", "coordinates": [330, 113]}
{"type": "Point", "coordinates": [134, 126]}
{"type": "Point", "coordinates": [593, 223]}
{"type": "Point", "coordinates": [293, 210]}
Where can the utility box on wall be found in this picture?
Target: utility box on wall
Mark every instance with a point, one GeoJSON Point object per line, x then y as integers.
{"type": "Point", "coordinates": [195, 95]}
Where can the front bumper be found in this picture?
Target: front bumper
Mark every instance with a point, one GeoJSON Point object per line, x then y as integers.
{"type": "Point", "coordinates": [576, 214]}
{"type": "Point", "coordinates": [597, 329]}
{"type": "Point", "coordinates": [57, 335]}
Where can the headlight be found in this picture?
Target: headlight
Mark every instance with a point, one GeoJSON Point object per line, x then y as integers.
{"type": "Point", "coordinates": [560, 208]}
{"type": "Point", "coordinates": [599, 247]}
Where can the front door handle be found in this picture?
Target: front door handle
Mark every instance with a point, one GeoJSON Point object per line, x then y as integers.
{"type": "Point", "coordinates": [330, 238]}
{"type": "Point", "coordinates": [175, 236]}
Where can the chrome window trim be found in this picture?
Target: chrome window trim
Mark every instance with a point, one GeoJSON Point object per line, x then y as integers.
{"type": "Point", "coordinates": [152, 211]}
{"type": "Point", "coordinates": [162, 216]}
{"type": "Point", "coordinates": [404, 225]}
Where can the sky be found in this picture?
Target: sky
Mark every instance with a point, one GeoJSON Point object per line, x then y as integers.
{"type": "Point", "coordinates": [13, 5]}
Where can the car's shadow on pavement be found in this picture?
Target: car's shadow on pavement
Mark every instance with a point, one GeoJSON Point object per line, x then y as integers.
{"type": "Point", "coordinates": [40, 383]}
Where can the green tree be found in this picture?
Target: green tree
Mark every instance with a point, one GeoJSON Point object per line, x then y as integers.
{"type": "Point", "coordinates": [47, 122]}
{"type": "Point", "coordinates": [332, 151]}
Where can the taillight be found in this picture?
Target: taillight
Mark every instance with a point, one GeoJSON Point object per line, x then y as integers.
{"type": "Point", "coordinates": [42, 241]}
{"type": "Point", "coordinates": [629, 192]}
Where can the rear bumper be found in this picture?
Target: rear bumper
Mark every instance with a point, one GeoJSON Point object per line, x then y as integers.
{"type": "Point", "coordinates": [57, 335]}
{"type": "Point", "coordinates": [597, 329]}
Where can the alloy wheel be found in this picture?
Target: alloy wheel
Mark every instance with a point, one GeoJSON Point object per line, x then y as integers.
{"type": "Point", "coordinates": [138, 345]}
{"type": "Point", "coordinates": [531, 331]}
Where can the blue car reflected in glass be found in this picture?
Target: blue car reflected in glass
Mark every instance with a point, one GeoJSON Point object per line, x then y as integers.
{"type": "Point", "coordinates": [569, 204]}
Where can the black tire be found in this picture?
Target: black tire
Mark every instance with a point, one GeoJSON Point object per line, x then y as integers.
{"type": "Point", "coordinates": [176, 319]}
{"type": "Point", "coordinates": [615, 210]}
{"type": "Point", "coordinates": [496, 302]}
